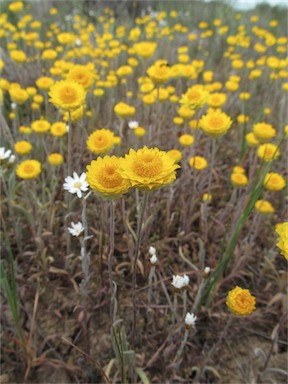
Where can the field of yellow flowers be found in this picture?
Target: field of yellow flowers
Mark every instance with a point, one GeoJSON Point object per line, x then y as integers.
{"type": "Point", "coordinates": [143, 164]}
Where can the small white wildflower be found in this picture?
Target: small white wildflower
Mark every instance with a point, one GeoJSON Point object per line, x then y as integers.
{"type": "Point", "coordinates": [206, 270]}
{"type": "Point", "coordinates": [190, 320]}
{"type": "Point", "coordinates": [11, 159]}
{"type": "Point", "coordinates": [67, 128]}
{"type": "Point", "coordinates": [78, 42]}
{"type": "Point", "coordinates": [4, 154]}
{"type": "Point", "coordinates": [13, 105]}
{"type": "Point", "coordinates": [153, 259]}
{"type": "Point", "coordinates": [152, 251]}
{"type": "Point", "coordinates": [76, 184]}
{"type": "Point", "coordinates": [180, 282]}
{"type": "Point", "coordinates": [133, 124]}
{"type": "Point", "coordinates": [76, 228]}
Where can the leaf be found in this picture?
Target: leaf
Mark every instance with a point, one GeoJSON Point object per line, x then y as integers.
{"type": "Point", "coordinates": [142, 375]}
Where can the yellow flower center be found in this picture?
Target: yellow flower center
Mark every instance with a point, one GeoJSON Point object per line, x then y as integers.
{"type": "Point", "coordinates": [109, 177]}
{"type": "Point", "coordinates": [68, 94]}
{"type": "Point", "coordinates": [77, 184]}
{"type": "Point", "coordinates": [148, 166]}
{"type": "Point", "coordinates": [193, 95]}
{"type": "Point", "coordinates": [28, 168]}
{"type": "Point", "coordinates": [216, 121]}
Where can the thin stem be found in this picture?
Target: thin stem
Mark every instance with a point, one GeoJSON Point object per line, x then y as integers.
{"type": "Point", "coordinates": [136, 254]}
{"type": "Point", "coordinates": [111, 252]}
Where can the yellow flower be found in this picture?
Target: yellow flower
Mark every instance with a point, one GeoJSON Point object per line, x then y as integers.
{"type": "Point", "coordinates": [198, 162]}
{"type": "Point", "coordinates": [282, 231]}
{"type": "Point", "coordinates": [104, 177]}
{"type": "Point", "coordinates": [18, 95]}
{"type": "Point", "coordinates": [238, 169]}
{"type": "Point", "coordinates": [274, 182]}
{"type": "Point", "coordinates": [16, 6]}
{"type": "Point", "coordinates": [100, 141]}
{"type": "Point", "coordinates": [22, 147]}
{"type": "Point", "coordinates": [55, 159]}
{"type": "Point", "coordinates": [232, 86]}
{"type": "Point", "coordinates": [67, 95]}
{"type": "Point", "coordinates": [49, 54]}
{"type": "Point", "coordinates": [18, 56]}
{"type": "Point", "coordinates": [75, 114]}
{"type": "Point", "coordinates": [148, 168]}
{"type": "Point", "coordinates": [239, 180]}
{"type": "Point", "coordinates": [58, 129]}
{"type": "Point", "coordinates": [215, 123]}
{"type": "Point", "coordinates": [44, 83]}
{"type": "Point", "coordinates": [268, 152]}
{"type": "Point", "coordinates": [145, 49]}
{"type": "Point", "coordinates": [178, 120]}
{"type": "Point", "coordinates": [240, 301]}
{"type": "Point", "coordinates": [124, 70]}
{"type": "Point", "coordinates": [251, 139]}
{"type": "Point", "coordinates": [242, 119]}
{"type": "Point", "coordinates": [207, 197]}
{"type": "Point", "coordinates": [81, 75]}
{"type": "Point", "coordinates": [195, 97]}
{"type": "Point", "coordinates": [40, 126]}
{"type": "Point", "coordinates": [264, 132]}
{"type": "Point", "coordinates": [185, 112]}
{"type": "Point", "coordinates": [264, 207]}
{"type": "Point", "coordinates": [28, 169]}
{"type": "Point", "coordinates": [124, 110]}
{"type": "Point", "coordinates": [186, 140]}
{"type": "Point", "coordinates": [139, 131]}
{"type": "Point", "coordinates": [38, 99]}
{"type": "Point", "coordinates": [159, 72]}
{"type": "Point", "coordinates": [175, 154]}
{"type": "Point", "coordinates": [216, 100]}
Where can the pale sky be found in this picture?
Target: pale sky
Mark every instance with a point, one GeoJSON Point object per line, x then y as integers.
{"type": "Point", "coordinates": [250, 4]}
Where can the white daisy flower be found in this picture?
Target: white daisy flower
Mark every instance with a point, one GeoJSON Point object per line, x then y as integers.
{"type": "Point", "coordinates": [153, 259]}
{"type": "Point", "coordinates": [11, 159]}
{"type": "Point", "coordinates": [76, 184]}
{"type": "Point", "coordinates": [76, 228]}
{"type": "Point", "coordinates": [4, 154]}
{"type": "Point", "coordinates": [190, 320]}
{"type": "Point", "coordinates": [180, 282]}
{"type": "Point", "coordinates": [152, 251]}
{"type": "Point", "coordinates": [133, 124]}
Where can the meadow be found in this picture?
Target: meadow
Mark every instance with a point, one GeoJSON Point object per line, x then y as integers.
{"type": "Point", "coordinates": [143, 165]}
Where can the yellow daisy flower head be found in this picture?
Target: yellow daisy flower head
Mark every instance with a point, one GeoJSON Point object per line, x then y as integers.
{"type": "Point", "coordinates": [148, 168]}
{"type": "Point", "coordinates": [251, 139]}
{"type": "Point", "coordinates": [18, 95]}
{"type": "Point", "coordinates": [58, 129]}
{"type": "Point", "coordinates": [145, 49]}
{"type": "Point", "coordinates": [124, 110]}
{"type": "Point", "coordinates": [22, 147]}
{"type": "Point", "coordinates": [242, 119]}
{"type": "Point", "coordinates": [31, 91]}
{"type": "Point", "coordinates": [268, 152]}
{"type": "Point", "coordinates": [16, 6]}
{"type": "Point", "coordinates": [238, 169]}
{"type": "Point", "coordinates": [175, 154]}
{"type": "Point", "coordinates": [274, 182]}
{"type": "Point", "coordinates": [104, 177]}
{"type": "Point", "coordinates": [55, 159]}
{"type": "Point", "coordinates": [178, 120]}
{"type": "Point", "coordinates": [195, 97]}
{"type": "Point", "coordinates": [124, 71]}
{"type": "Point", "coordinates": [100, 141]}
{"type": "Point", "coordinates": [232, 86]}
{"type": "Point", "coordinates": [67, 95]}
{"type": "Point", "coordinates": [40, 126]}
{"type": "Point", "coordinates": [25, 130]}
{"type": "Point", "coordinates": [44, 82]}
{"type": "Point", "coordinates": [18, 56]}
{"type": "Point", "coordinates": [28, 169]}
{"type": "Point", "coordinates": [159, 72]}
{"type": "Point", "coordinates": [216, 123]}
{"type": "Point", "coordinates": [207, 197]}
{"type": "Point", "coordinates": [264, 207]}
{"type": "Point", "coordinates": [240, 301]}
{"type": "Point", "coordinates": [185, 112]}
{"type": "Point", "coordinates": [264, 132]}
{"type": "Point", "coordinates": [282, 231]}
{"type": "Point", "coordinates": [186, 140]}
{"type": "Point", "coordinates": [198, 162]}
{"type": "Point", "coordinates": [139, 131]}
{"type": "Point", "coordinates": [239, 180]}
{"type": "Point", "coordinates": [216, 100]}
{"type": "Point", "coordinates": [49, 54]}
{"type": "Point", "coordinates": [81, 75]}
{"type": "Point", "coordinates": [75, 114]}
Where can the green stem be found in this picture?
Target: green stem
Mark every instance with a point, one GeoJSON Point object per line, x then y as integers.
{"type": "Point", "coordinates": [111, 252]}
